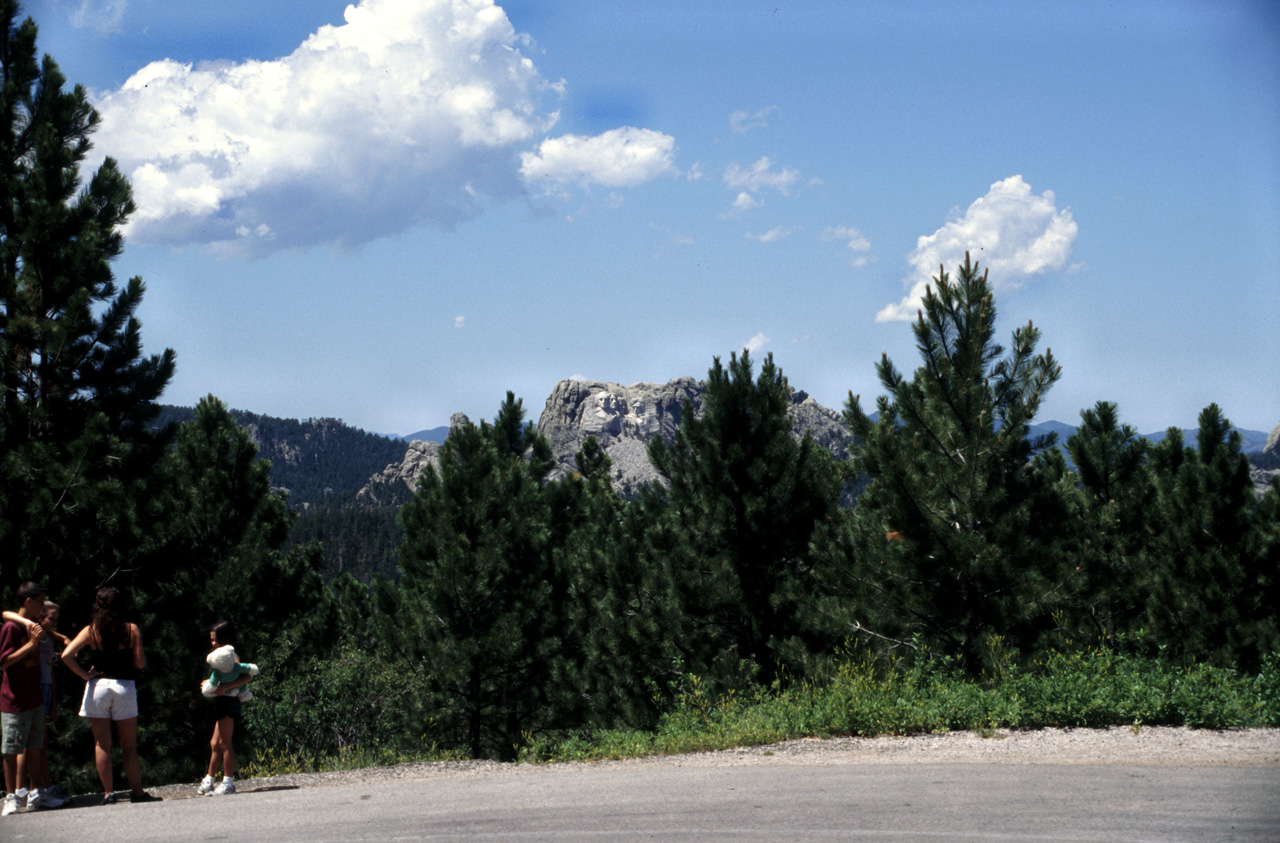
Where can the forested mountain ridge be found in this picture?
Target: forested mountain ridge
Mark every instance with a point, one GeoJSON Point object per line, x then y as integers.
{"type": "Point", "coordinates": [325, 463]}
{"type": "Point", "coordinates": [348, 484]}
{"type": "Point", "coordinates": [318, 462]}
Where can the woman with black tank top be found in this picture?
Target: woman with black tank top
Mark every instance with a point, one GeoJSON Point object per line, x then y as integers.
{"type": "Point", "coordinates": [110, 691]}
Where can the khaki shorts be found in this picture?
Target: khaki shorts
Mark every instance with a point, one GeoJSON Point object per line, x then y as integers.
{"type": "Point", "coordinates": [116, 699]}
{"type": "Point", "coordinates": [22, 730]}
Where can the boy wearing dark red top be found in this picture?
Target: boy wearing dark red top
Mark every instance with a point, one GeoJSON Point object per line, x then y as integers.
{"type": "Point", "coordinates": [21, 702]}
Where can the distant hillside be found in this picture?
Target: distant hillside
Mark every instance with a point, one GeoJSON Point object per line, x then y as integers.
{"type": "Point", "coordinates": [318, 462]}
{"type": "Point", "coordinates": [323, 463]}
{"type": "Point", "coordinates": [1251, 441]}
{"type": "Point", "coordinates": [434, 434]}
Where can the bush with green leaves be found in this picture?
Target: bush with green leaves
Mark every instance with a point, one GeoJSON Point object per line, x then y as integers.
{"type": "Point", "coordinates": [313, 713]}
{"type": "Point", "coordinates": [869, 696]}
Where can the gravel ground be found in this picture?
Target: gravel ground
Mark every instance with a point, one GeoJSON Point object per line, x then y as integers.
{"type": "Point", "coordinates": [1123, 746]}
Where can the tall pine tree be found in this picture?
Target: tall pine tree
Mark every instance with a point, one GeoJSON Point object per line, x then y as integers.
{"type": "Point", "coordinates": [78, 394]}
{"type": "Point", "coordinates": [473, 615]}
{"type": "Point", "coordinates": [1213, 563]}
{"type": "Point", "coordinates": [216, 553]}
{"type": "Point", "coordinates": [740, 502]}
{"type": "Point", "coordinates": [952, 547]}
{"type": "Point", "coordinates": [1118, 496]}
{"type": "Point", "coordinates": [613, 602]}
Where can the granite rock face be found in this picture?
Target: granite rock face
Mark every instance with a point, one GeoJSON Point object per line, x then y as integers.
{"type": "Point", "coordinates": [396, 483]}
{"type": "Point", "coordinates": [1266, 465]}
{"type": "Point", "coordinates": [623, 419]}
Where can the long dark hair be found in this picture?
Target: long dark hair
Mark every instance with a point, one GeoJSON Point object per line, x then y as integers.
{"type": "Point", "coordinates": [108, 618]}
{"type": "Point", "coordinates": [224, 632]}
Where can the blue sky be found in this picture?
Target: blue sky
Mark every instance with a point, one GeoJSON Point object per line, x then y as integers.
{"type": "Point", "coordinates": [391, 211]}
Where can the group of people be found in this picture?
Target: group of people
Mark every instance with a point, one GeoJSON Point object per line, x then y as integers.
{"type": "Point", "coordinates": [28, 699]}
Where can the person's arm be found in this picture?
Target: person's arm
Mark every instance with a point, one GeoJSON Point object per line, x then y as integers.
{"type": "Point", "coordinates": [243, 679]}
{"type": "Point", "coordinates": [17, 618]}
{"type": "Point", "coordinates": [69, 655]}
{"type": "Point", "coordinates": [139, 657]}
{"type": "Point", "coordinates": [17, 654]}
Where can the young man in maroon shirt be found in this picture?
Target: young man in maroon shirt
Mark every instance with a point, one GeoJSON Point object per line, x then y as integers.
{"type": "Point", "coordinates": [21, 702]}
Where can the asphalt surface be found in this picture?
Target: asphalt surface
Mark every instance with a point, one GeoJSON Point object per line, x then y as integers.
{"type": "Point", "coordinates": [962, 802]}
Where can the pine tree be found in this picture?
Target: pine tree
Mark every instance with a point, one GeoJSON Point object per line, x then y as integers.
{"type": "Point", "coordinates": [740, 503]}
{"type": "Point", "coordinates": [216, 553]}
{"type": "Point", "coordinates": [78, 393]}
{"type": "Point", "coordinates": [1214, 563]}
{"type": "Point", "coordinates": [1118, 496]}
{"type": "Point", "coordinates": [473, 614]}
{"type": "Point", "coordinates": [613, 603]}
{"type": "Point", "coordinates": [952, 546]}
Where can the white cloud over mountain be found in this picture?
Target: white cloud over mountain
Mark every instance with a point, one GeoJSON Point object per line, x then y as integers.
{"type": "Point", "coordinates": [1011, 231]}
{"type": "Point", "coordinates": [411, 112]}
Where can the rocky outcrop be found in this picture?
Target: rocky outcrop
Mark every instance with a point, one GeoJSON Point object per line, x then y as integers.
{"type": "Point", "coordinates": [623, 419]}
{"type": "Point", "coordinates": [396, 483]}
{"type": "Point", "coordinates": [1266, 465]}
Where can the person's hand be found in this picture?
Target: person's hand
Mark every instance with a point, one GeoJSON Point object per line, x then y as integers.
{"type": "Point", "coordinates": [36, 631]}
{"type": "Point", "coordinates": [53, 714]}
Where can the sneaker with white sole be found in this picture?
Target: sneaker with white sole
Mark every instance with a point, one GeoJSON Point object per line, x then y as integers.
{"type": "Point", "coordinates": [43, 798]}
{"type": "Point", "coordinates": [206, 786]}
{"type": "Point", "coordinates": [224, 789]}
{"type": "Point", "coordinates": [13, 805]}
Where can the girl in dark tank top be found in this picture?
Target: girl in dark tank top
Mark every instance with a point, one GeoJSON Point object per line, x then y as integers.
{"type": "Point", "coordinates": [110, 694]}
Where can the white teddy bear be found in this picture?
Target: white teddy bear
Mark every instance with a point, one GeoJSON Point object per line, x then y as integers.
{"type": "Point", "coordinates": [227, 668]}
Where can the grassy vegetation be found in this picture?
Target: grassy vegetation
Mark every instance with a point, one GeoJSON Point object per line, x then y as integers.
{"type": "Point", "coordinates": [862, 696]}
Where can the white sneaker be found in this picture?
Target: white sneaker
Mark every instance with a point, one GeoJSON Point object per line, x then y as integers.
{"type": "Point", "coordinates": [224, 788]}
{"type": "Point", "coordinates": [13, 805]}
{"type": "Point", "coordinates": [206, 786]}
{"type": "Point", "coordinates": [43, 798]}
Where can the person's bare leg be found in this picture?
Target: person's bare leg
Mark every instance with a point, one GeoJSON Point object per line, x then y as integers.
{"type": "Point", "coordinates": [127, 732]}
{"type": "Point", "coordinates": [101, 727]}
{"type": "Point", "coordinates": [225, 730]}
{"type": "Point", "coordinates": [215, 753]}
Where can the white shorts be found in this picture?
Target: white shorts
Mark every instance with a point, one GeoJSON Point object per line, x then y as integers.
{"type": "Point", "coordinates": [116, 699]}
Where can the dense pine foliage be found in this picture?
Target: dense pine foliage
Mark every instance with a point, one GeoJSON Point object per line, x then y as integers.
{"type": "Point", "coordinates": [502, 612]}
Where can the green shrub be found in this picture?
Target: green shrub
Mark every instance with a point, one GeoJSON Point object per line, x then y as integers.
{"type": "Point", "coordinates": [868, 697]}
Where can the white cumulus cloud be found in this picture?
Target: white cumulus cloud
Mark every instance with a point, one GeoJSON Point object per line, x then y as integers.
{"type": "Point", "coordinates": [1011, 231]}
{"type": "Point", "coordinates": [854, 241]}
{"type": "Point", "coordinates": [743, 121]}
{"type": "Point", "coordinates": [756, 343]}
{"type": "Point", "coordinates": [623, 157]}
{"type": "Point", "coordinates": [760, 175]}
{"type": "Point", "coordinates": [773, 235]}
{"type": "Point", "coordinates": [410, 112]}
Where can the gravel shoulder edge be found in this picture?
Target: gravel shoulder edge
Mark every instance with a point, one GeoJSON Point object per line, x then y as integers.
{"type": "Point", "coordinates": [1115, 746]}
